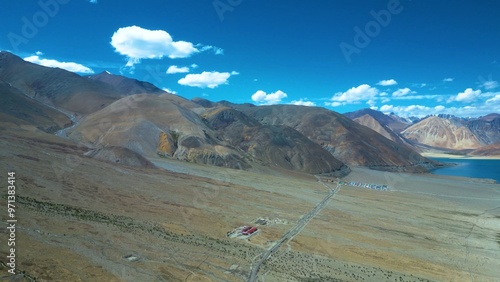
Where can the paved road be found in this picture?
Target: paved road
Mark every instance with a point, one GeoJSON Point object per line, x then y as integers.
{"type": "Point", "coordinates": [290, 234]}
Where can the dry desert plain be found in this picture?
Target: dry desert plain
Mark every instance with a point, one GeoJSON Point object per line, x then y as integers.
{"type": "Point", "coordinates": [80, 219]}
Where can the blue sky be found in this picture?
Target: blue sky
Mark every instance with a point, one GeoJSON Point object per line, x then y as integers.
{"type": "Point", "coordinates": [410, 57]}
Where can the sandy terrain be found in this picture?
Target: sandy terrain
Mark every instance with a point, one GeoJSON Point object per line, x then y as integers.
{"type": "Point", "coordinates": [85, 220]}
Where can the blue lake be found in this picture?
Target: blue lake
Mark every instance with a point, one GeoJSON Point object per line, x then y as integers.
{"type": "Point", "coordinates": [471, 168]}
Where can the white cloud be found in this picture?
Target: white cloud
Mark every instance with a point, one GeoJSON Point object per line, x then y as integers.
{"type": "Point", "coordinates": [468, 95]}
{"type": "Point", "coordinates": [466, 111]}
{"type": "Point", "coordinates": [363, 92]}
{"type": "Point", "coordinates": [413, 110]}
{"type": "Point", "coordinates": [194, 66]}
{"type": "Point", "coordinates": [333, 104]}
{"type": "Point", "coordinates": [387, 108]}
{"type": "Point", "coordinates": [401, 92]}
{"type": "Point", "coordinates": [170, 91]}
{"type": "Point", "coordinates": [448, 79]}
{"type": "Point", "coordinates": [494, 100]}
{"type": "Point", "coordinates": [302, 102]}
{"type": "Point", "coordinates": [69, 66]}
{"type": "Point", "coordinates": [206, 79]}
{"type": "Point", "coordinates": [175, 69]}
{"type": "Point", "coordinates": [93, 1]}
{"type": "Point", "coordinates": [262, 97]}
{"type": "Point", "coordinates": [419, 97]}
{"type": "Point", "coordinates": [371, 102]}
{"type": "Point", "coordinates": [439, 108]}
{"type": "Point", "coordinates": [216, 50]}
{"type": "Point", "coordinates": [388, 82]}
{"type": "Point", "coordinates": [138, 43]}
{"type": "Point", "coordinates": [490, 84]}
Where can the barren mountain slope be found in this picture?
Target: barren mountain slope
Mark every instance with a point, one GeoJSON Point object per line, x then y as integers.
{"type": "Point", "coordinates": [156, 125]}
{"type": "Point", "coordinates": [345, 139]}
{"type": "Point", "coordinates": [489, 150]}
{"type": "Point", "coordinates": [16, 108]}
{"type": "Point", "coordinates": [151, 125]}
{"type": "Point", "coordinates": [56, 86]}
{"type": "Point", "coordinates": [392, 122]}
{"type": "Point", "coordinates": [443, 133]}
{"type": "Point", "coordinates": [125, 85]}
{"type": "Point", "coordinates": [372, 123]}
{"type": "Point", "coordinates": [486, 129]}
{"type": "Point", "coordinates": [272, 144]}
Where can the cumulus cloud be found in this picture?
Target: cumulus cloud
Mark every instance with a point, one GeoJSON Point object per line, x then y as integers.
{"type": "Point", "coordinates": [363, 92]}
{"type": "Point", "coordinates": [413, 110]}
{"type": "Point", "coordinates": [401, 92]}
{"type": "Point", "coordinates": [170, 91]}
{"type": "Point", "coordinates": [490, 84]}
{"type": "Point", "coordinates": [175, 69]}
{"type": "Point", "coordinates": [468, 95]}
{"type": "Point", "coordinates": [262, 97]}
{"type": "Point", "coordinates": [69, 66]}
{"type": "Point", "coordinates": [448, 79]}
{"type": "Point", "coordinates": [302, 102]}
{"type": "Point", "coordinates": [388, 82]}
{"type": "Point", "coordinates": [138, 43]}
{"type": "Point", "coordinates": [206, 79]}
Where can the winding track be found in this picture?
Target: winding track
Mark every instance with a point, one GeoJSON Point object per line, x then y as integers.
{"type": "Point", "coordinates": [290, 234]}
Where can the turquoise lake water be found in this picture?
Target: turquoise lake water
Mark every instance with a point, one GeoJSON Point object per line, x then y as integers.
{"type": "Point", "coordinates": [471, 168]}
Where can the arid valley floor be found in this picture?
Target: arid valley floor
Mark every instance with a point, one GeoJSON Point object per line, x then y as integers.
{"type": "Point", "coordinates": [84, 220]}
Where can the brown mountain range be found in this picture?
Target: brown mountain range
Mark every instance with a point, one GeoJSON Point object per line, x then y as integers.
{"type": "Point", "coordinates": [18, 110]}
{"type": "Point", "coordinates": [313, 140]}
{"type": "Point", "coordinates": [487, 151]}
{"type": "Point", "coordinates": [445, 133]}
{"type": "Point", "coordinates": [158, 125]}
{"type": "Point", "coordinates": [55, 86]}
{"type": "Point", "coordinates": [386, 123]}
{"type": "Point", "coordinates": [441, 132]}
{"type": "Point", "coordinates": [345, 139]}
{"type": "Point", "coordinates": [125, 85]}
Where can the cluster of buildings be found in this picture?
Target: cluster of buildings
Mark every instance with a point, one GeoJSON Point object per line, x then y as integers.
{"type": "Point", "coordinates": [378, 187]}
{"type": "Point", "coordinates": [242, 232]}
{"type": "Point", "coordinates": [248, 230]}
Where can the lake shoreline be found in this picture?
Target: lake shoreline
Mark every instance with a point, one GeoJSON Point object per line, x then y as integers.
{"type": "Point", "coordinates": [486, 169]}
{"type": "Point", "coordinates": [460, 157]}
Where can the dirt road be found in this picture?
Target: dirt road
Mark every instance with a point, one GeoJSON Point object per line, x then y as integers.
{"type": "Point", "coordinates": [290, 234]}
